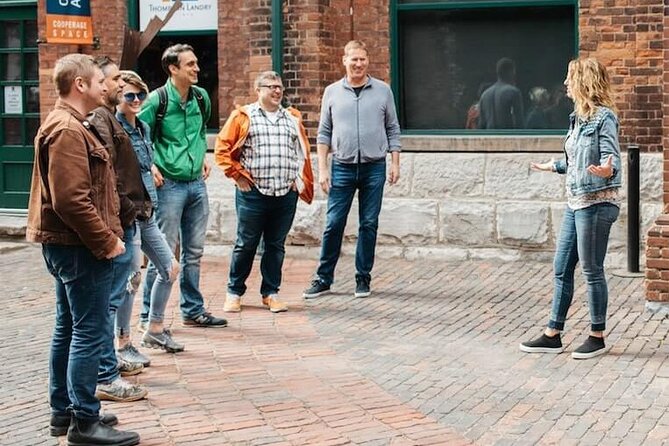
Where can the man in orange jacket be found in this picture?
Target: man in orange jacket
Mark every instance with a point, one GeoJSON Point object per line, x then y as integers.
{"type": "Point", "coordinates": [264, 148]}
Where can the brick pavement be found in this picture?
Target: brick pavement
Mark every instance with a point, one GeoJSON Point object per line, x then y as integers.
{"type": "Point", "coordinates": [431, 358]}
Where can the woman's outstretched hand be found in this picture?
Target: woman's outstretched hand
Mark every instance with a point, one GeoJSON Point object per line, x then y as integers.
{"type": "Point", "coordinates": [544, 167]}
{"type": "Point", "coordinates": [604, 171]}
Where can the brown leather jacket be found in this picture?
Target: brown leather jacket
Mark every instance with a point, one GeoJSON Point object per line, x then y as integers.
{"type": "Point", "coordinates": [135, 200]}
{"type": "Point", "coordinates": [73, 197]}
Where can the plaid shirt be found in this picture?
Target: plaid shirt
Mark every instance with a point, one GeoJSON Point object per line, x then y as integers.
{"type": "Point", "coordinates": [270, 152]}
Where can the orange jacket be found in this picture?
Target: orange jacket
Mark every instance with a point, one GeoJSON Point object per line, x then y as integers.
{"type": "Point", "coordinates": [230, 141]}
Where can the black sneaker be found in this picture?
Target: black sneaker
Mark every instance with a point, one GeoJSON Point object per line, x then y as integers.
{"type": "Point", "coordinates": [162, 340]}
{"type": "Point", "coordinates": [593, 346]}
{"type": "Point", "coordinates": [543, 344]}
{"type": "Point", "coordinates": [59, 424]}
{"type": "Point", "coordinates": [362, 287]}
{"type": "Point", "coordinates": [205, 320]}
{"type": "Point", "coordinates": [316, 289]}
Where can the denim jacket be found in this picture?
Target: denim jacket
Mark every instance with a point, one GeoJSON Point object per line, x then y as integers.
{"type": "Point", "coordinates": [597, 139]}
{"type": "Point", "coordinates": [140, 138]}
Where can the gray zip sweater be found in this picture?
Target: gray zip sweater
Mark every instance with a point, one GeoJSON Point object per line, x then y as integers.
{"type": "Point", "coordinates": [359, 129]}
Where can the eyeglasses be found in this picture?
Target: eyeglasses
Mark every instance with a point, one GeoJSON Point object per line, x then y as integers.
{"type": "Point", "coordinates": [130, 97]}
{"type": "Point", "coordinates": [274, 87]}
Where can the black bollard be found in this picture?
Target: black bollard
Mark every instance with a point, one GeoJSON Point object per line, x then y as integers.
{"type": "Point", "coordinates": [633, 209]}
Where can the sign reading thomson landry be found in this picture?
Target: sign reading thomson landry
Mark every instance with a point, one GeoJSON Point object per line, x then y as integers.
{"type": "Point", "coordinates": [194, 15]}
{"type": "Point", "coordinates": [69, 21]}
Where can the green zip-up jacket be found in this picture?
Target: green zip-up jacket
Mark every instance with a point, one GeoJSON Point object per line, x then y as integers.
{"type": "Point", "coordinates": [179, 151]}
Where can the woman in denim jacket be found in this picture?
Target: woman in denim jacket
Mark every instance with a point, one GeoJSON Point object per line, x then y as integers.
{"type": "Point", "coordinates": [592, 169]}
{"type": "Point", "coordinates": [153, 242]}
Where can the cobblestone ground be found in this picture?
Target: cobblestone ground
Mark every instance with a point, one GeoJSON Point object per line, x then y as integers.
{"type": "Point", "coordinates": [430, 358]}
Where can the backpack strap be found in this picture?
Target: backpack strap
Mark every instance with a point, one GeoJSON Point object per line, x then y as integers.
{"type": "Point", "coordinates": [203, 108]}
{"type": "Point", "coordinates": [160, 113]}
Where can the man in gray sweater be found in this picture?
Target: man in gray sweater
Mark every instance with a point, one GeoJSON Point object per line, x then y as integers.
{"type": "Point", "coordinates": [359, 126]}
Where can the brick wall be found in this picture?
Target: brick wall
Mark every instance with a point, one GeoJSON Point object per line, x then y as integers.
{"type": "Point", "coordinates": [110, 33]}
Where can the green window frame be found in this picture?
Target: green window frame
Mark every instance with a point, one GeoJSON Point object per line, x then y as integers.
{"type": "Point", "coordinates": [398, 7]}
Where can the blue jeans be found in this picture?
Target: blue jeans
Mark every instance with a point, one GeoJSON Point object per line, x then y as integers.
{"type": "Point", "coordinates": [122, 283]}
{"type": "Point", "coordinates": [368, 179]}
{"type": "Point", "coordinates": [260, 215]}
{"type": "Point", "coordinates": [83, 286]}
{"type": "Point", "coordinates": [182, 212]}
{"type": "Point", "coordinates": [584, 237]}
{"type": "Point", "coordinates": [147, 238]}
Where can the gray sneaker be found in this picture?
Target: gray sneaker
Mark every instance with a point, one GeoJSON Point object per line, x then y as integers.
{"type": "Point", "coordinates": [120, 390]}
{"type": "Point", "coordinates": [130, 353]}
{"type": "Point", "coordinates": [127, 368]}
{"type": "Point", "coordinates": [162, 341]}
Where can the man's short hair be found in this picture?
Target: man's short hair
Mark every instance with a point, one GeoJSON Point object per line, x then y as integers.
{"type": "Point", "coordinates": [266, 76]}
{"type": "Point", "coordinates": [132, 78]}
{"type": "Point", "coordinates": [171, 55]}
{"type": "Point", "coordinates": [355, 45]}
{"type": "Point", "coordinates": [70, 67]}
{"type": "Point", "coordinates": [506, 69]}
{"type": "Point", "coordinates": [103, 62]}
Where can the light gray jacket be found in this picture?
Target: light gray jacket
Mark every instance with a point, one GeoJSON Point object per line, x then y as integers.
{"type": "Point", "coordinates": [359, 128]}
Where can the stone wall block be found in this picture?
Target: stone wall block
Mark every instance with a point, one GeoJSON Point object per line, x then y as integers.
{"type": "Point", "coordinates": [467, 223]}
{"type": "Point", "coordinates": [437, 175]}
{"type": "Point", "coordinates": [510, 177]}
{"type": "Point", "coordinates": [408, 222]}
{"type": "Point", "coordinates": [523, 224]}
{"type": "Point", "coordinates": [214, 221]}
{"type": "Point", "coordinates": [403, 187]}
{"type": "Point", "coordinates": [308, 224]}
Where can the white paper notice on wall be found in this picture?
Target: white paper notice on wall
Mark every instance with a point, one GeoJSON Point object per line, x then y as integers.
{"type": "Point", "coordinates": [13, 100]}
{"type": "Point", "coordinates": [194, 15]}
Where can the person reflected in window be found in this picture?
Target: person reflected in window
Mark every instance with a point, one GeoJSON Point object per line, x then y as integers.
{"type": "Point", "coordinates": [592, 169]}
{"type": "Point", "coordinates": [474, 112]}
{"type": "Point", "coordinates": [560, 108]}
{"type": "Point", "coordinates": [537, 118]}
{"type": "Point", "coordinates": [502, 104]}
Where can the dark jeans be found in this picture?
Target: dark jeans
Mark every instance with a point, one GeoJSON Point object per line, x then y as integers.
{"type": "Point", "coordinates": [260, 215]}
{"type": "Point", "coordinates": [83, 286]}
{"type": "Point", "coordinates": [120, 292]}
{"type": "Point", "coordinates": [368, 179]}
{"type": "Point", "coordinates": [584, 237]}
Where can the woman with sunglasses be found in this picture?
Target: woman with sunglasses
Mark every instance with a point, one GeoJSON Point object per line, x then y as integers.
{"type": "Point", "coordinates": [592, 169]}
{"type": "Point", "coordinates": [152, 240]}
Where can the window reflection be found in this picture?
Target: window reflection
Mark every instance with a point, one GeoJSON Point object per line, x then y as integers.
{"type": "Point", "coordinates": [12, 131]}
{"type": "Point", "coordinates": [11, 66]}
{"type": "Point", "coordinates": [10, 34]}
{"type": "Point", "coordinates": [32, 99]}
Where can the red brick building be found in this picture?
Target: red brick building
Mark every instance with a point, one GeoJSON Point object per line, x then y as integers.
{"type": "Point", "coordinates": [436, 55]}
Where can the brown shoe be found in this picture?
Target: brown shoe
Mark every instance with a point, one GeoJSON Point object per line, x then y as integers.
{"type": "Point", "coordinates": [274, 305]}
{"type": "Point", "coordinates": [233, 303]}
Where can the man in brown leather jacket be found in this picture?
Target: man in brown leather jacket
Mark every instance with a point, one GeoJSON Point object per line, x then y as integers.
{"type": "Point", "coordinates": [135, 203]}
{"type": "Point", "coordinates": [73, 212]}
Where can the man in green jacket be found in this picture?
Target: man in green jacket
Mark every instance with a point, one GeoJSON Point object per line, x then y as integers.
{"type": "Point", "coordinates": [180, 171]}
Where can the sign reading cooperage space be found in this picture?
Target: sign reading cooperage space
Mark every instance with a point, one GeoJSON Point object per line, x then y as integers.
{"type": "Point", "coordinates": [69, 21]}
{"type": "Point", "coordinates": [194, 15]}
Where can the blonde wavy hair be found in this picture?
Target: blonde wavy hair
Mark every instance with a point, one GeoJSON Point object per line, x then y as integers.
{"type": "Point", "coordinates": [590, 86]}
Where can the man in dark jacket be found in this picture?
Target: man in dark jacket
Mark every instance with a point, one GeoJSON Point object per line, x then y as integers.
{"type": "Point", "coordinates": [73, 213]}
{"type": "Point", "coordinates": [135, 203]}
{"type": "Point", "coordinates": [501, 105]}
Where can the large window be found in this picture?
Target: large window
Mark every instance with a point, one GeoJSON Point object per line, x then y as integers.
{"type": "Point", "coordinates": [483, 66]}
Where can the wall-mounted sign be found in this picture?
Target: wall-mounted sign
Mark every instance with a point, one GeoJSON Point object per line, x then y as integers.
{"type": "Point", "coordinates": [69, 21]}
{"type": "Point", "coordinates": [194, 15]}
{"type": "Point", "coordinates": [13, 100]}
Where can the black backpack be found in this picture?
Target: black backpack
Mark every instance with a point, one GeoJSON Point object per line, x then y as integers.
{"type": "Point", "coordinates": [162, 108]}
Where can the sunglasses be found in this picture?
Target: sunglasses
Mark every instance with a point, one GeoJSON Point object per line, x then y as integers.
{"type": "Point", "coordinates": [130, 97]}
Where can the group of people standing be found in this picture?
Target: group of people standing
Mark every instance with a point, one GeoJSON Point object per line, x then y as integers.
{"type": "Point", "coordinates": [120, 171]}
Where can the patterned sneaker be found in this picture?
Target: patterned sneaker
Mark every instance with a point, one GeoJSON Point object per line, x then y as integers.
{"type": "Point", "coordinates": [205, 320]}
{"type": "Point", "coordinates": [233, 303]}
{"type": "Point", "coordinates": [130, 353]}
{"type": "Point", "coordinates": [362, 288]}
{"type": "Point", "coordinates": [127, 368]}
{"type": "Point", "coordinates": [593, 346]}
{"type": "Point", "coordinates": [162, 340]}
{"type": "Point", "coordinates": [543, 344]}
{"type": "Point", "coordinates": [120, 390]}
{"type": "Point", "coordinates": [274, 304]}
{"type": "Point", "coordinates": [316, 289]}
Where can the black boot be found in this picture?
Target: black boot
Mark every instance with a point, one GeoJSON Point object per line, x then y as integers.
{"type": "Point", "coordinates": [60, 423]}
{"type": "Point", "coordinates": [94, 433]}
